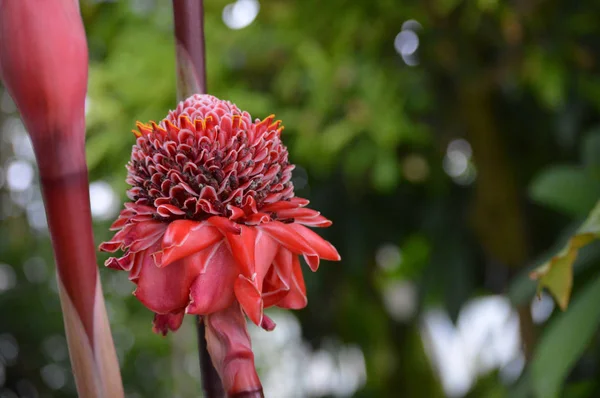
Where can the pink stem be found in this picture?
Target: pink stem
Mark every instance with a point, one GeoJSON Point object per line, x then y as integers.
{"type": "Point", "coordinates": [191, 79]}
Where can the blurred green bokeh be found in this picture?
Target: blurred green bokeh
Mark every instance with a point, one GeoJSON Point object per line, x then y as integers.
{"type": "Point", "coordinates": [456, 145]}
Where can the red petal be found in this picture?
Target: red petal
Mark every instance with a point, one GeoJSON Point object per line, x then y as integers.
{"type": "Point", "coordinates": [119, 223]}
{"type": "Point", "coordinates": [229, 346]}
{"type": "Point", "coordinates": [300, 201]}
{"type": "Point", "coordinates": [312, 261]}
{"type": "Point", "coordinates": [274, 287]}
{"type": "Point", "coordinates": [250, 298]}
{"type": "Point", "coordinates": [113, 263]}
{"type": "Point", "coordinates": [267, 323]}
{"type": "Point", "coordinates": [184, 238]}
{"type": "Point", "coordinates": [225, 225]}
{"type": "Point", "coordinates": [318, 221]}
{"type": "Point", "coordinates": [123, 263]}
{"type": "Point", "coordinates": [264, 254]}
{"type": "Point", "coordinates": [278, 206]}
{"type": "Point", "coordinates": [111, 246]}
{"type": "Point", "coordinates": [287, 236]}
{"type": "Point", "coordinates": [297, 212]}
{"type": "Point", "coordinates": [296, 298]}
{"type": "Point", "coordinates": [242, 248]}
{"type": "Point", "coordinates": [145, 234]}
{"type": "Point", "coordinates": [257, 218]}
{"type": "Point", "coordinates": [165, 290]}
{"type": "Point", "coordinates": [135, 237]}
{"type": "Point", "coordinates": [212, 290]}
{"type": "Point", "coordinates": [236, 212]}
{"type": "Point", "coordinates": [324, 249]}
{"type": "Point", "coordinates": [162, 323]}
{"type": "Point", "coordinates": [169, 210]}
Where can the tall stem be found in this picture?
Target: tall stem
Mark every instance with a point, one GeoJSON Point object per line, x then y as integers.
{"type": "Point", "coordinates": [189, 47]}
{"type": "Point", "coordinates": [191, 79]}
{"type": "Point", "coordinates": [211, 382]}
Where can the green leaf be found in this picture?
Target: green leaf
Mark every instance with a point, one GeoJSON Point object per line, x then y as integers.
{"type": "Point", "coordinates": [556, 274]}
{"type": "Point", "coordinates": [565, 339]}
{"type": "Point", "coordinates": [569, 189]}
{"type": "Point", "coordinates": [590, 151]}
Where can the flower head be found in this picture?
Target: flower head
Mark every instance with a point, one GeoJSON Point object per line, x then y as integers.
{"type": "Point", "coordinates": [213, 216]}
{"type": "Point", "coordinates": [213, 220]}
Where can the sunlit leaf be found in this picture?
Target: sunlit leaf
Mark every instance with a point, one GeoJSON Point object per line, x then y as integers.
{"type": "Point", "coordinates": [557, 274]}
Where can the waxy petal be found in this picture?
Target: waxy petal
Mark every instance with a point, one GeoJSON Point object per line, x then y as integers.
{"type": "Point", "coordinates": [250, 299]}
{"type": "Point", "coordinates": [323, 248]}
{"type": "Point", "coordinates": [242, 247]}
{"type": "Point", "coordinates": [183, 238]}
{"type": "Point", "coordinates": [225, 225]}
{"type": "Point", "coordinates": [275, 286]}
{"type": "Point", "coordinates": [164, 322]}
{"type": "Point", "coordinates": [165, 290]}
{"type": "Point", "coordinates": [212, 290]}
{"type": "Point", "coordinates": [287, 236]}
{"type": "Point", "coordinates": [296, 298]}
{"type": "Point", "coordinates": [297, 212]}
{"type": "Point", "coordinates": [318, 221]}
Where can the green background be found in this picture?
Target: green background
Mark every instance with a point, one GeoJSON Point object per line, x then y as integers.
{"type": "Point", "coordinates": [449, 174]}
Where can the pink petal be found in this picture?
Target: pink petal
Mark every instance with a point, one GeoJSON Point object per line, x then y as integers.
{"type": "Point", "coordinates": [224, 225]}
{"type": "Point", "coordinates": [296, 298]}
{"type": "Point", "coordinates": [264, 253]}
{"type": "Point", "coordinates": [242, 247]}
{"type": "Point", "coordinates": [135, 236]}
{"type": "Point", "coordinates": [165, 290]}
{"type": "Point", "coordinates": [312, 261]}
{"type": "Point", "coordinates": [299, 201]}
{"type": "Point", "coordinates": [145, 234]}
{"type": "Point", "coordinates": [113, 263]}
{"type": "Point", "coordinates": [297, 212]}
{"type": "Point", "coordinates": [169, 210]}
{"type": "Point", "coordinates": [119, 223]}
{"type": "Point", "coordinates": [236, 212]}
{"type": "Point", "coordinates": [212, 290]}
{"type": "Point", "coordinates": [183, 238]}
{"type": "Point", "coordinates": [123, 263]}
{"type": "Point", "coordinates": [274, 286]}
{"type": "Point", "coordinates": [279, 206]}
{"type": "Point", "coordinates": [324, 249]}
{"type": "Point", "coordinates": [229, 346]}
{"type": "Point", "coordinates": [319, 221]}
{"type": "Point", "coordinates": [164, 322]}
{"type": "Point", "coordinates": [267, 323]}
{"type": "Point", "coordinates": [111, 246]}
{"type": "Point", "coordinates": [257, 218]}
{"type": "Point", "coordinates": [287, 237]}
{"type": "Point", "coordinates": [250, 298]}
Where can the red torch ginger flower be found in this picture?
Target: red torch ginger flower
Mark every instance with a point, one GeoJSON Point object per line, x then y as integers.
{"type": "Point", "coordinates": [213, 222]}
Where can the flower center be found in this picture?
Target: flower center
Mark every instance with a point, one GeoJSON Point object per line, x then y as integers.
{"type": "Point", "coordinates": [208, 158]}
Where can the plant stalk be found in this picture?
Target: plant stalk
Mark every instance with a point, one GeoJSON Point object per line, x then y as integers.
{"type": "Point", "coordinates": [191, 79]}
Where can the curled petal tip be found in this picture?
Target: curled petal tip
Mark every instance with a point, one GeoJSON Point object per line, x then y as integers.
{"type": "Point", "coordinates": [312, 261]}
{"type": "Point", "coordinates": [112, 263]}
{"type": "Point", "coordinates": [110, 247]}
{"type": "Point", "coordinates": [163, 323]}
{"type": "Point", "coordinates": [267, 323]}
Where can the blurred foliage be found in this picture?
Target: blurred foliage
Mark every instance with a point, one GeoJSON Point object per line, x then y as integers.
{"type": "Point", "coordinates": [519, 81]}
